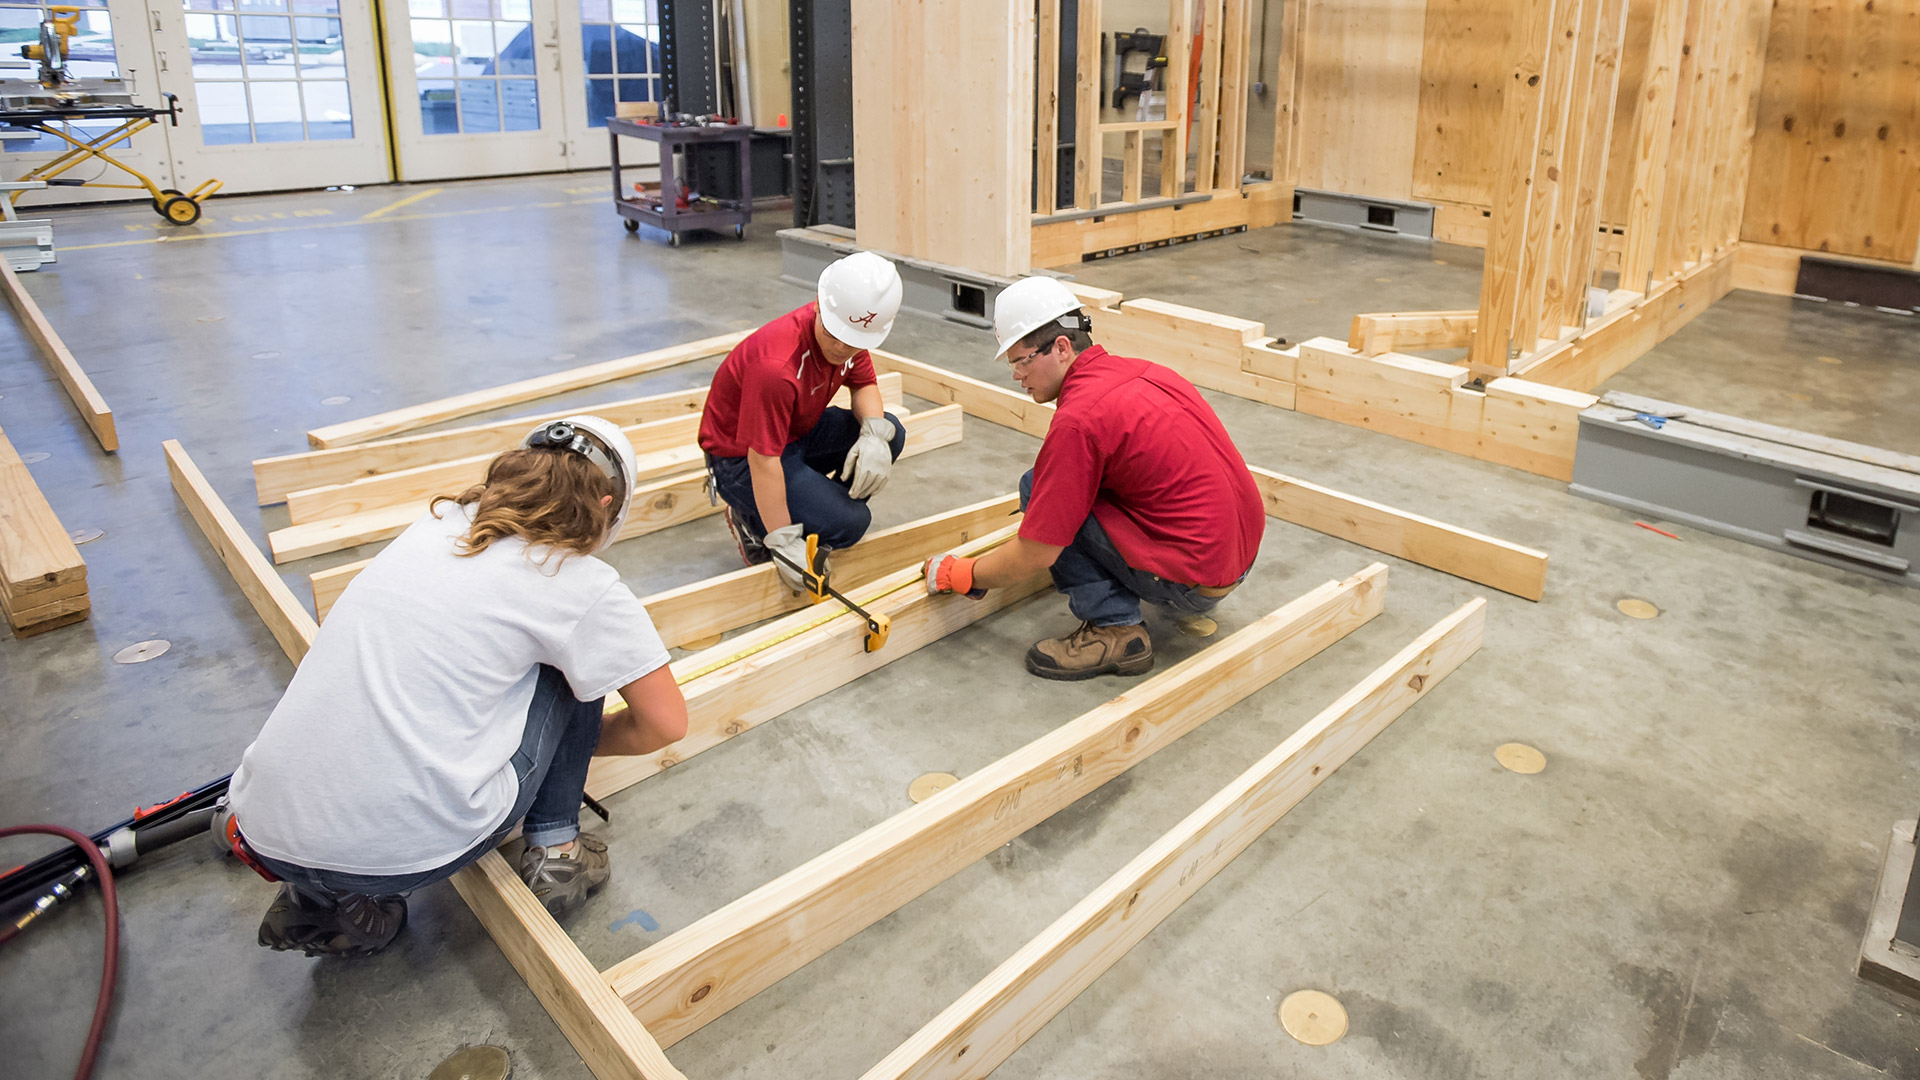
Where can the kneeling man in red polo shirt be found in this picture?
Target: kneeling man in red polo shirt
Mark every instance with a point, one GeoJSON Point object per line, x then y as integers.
{"type": "Point", "coordinates": [785, 463]}
{"type": "Point", "coordinates": [1138, 493]}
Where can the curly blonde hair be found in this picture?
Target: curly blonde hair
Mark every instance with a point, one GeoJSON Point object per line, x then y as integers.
{"type": "Point", "coordinates": [546, 497]}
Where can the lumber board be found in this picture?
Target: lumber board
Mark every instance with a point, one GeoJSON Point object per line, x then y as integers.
{"type": "Point", "coordinates": [991, 403]}
{"type": "Point", "coordinates": [1577, 270]}
{"type": "Point", "coordinates": [1173, 145]}
{"type": "Point", "coordinates": [1485, 560]}
{"type": "Point", "coordinates": [1382, 332]}
{"type": "Point", "coordinates": [687, 980]}
{"type": "Point", "coordinates": [276, 478]}
{"type": "Point", "coordinates": [1235, 51]}
{"type": "Point", "coordinates": [1549, 162]}
{"type": "Point", "coordinates": [80, 389]}
{"type": "Point", "coordinates": [1086, 108]}
{"type": "Point", "coordinates": [38, 560]}
{"type": "Point", "coordinates": [1207, 114]}
{"type": "Point", "coordinates": [996, 1016]}
{"type": "Point", "coordinates": [788, 673]}
{"type": "Point", "coordinates": [657, 505]}
{"type": "Point", "coordinates": [1652, 143]}
{"type": "Point", "coordinates": [589, 1014]}
{"type": "Point", "coordinates": [395, 421]}
{"type": "Point", "coordinates": [1286, 91]}
{"type": "Point", "coordinates": [1046, 177]}
{"type": "Point", "coordinates": [1208, 348]}
{"type": "Point", "coordinates": [1522, 109]}
{"type": "Point", "coordinates": [289, 623]}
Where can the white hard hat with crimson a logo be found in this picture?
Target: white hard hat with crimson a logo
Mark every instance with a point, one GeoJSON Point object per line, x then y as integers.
{"type": "Point", "coordinates": [859, 296]}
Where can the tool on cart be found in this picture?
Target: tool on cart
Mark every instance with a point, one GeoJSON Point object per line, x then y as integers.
{"type": "Point", "coordinates": [58, 95]}
{"type": "Point", "coordinates": [815, 576]}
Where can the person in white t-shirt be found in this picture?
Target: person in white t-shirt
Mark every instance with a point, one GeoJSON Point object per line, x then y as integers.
{"type": "Point", "coordinates": [454, 692]}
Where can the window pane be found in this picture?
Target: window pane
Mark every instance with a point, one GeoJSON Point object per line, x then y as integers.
{"type": "Point", "coordinates": [470, 9]}
{"type": "Point", "coordinates": [596, 11]}
{"type": "Point", "coordinates": [438, 114]}
{"type": "Point", "coordinates": [636, 89]}
{"type": "Point", "coordinates": [268, 47]}
{"type": "Point", "coordinates": [599, 101]}
{"type": "Point", "coordinates": [521, 104]}
{"type": "Point", "coordinates": [317, 7]}
{"type": "Point", "coordinates": [479, 105]}
{"type": "Point", "coordinates": [322, 60]}
{"type": "Point", "coordinates": [514, 10]}
{"type": "Point", "coordinates": [329, 113]}
{"type": "Point", "coordinates": [223, 113]}
{"type": "Point", "coordinates": [596, 48]}
{"type": "Point", "coordinates": [516, 48]}
{"type": "Point", "coordinates": [426, 9]}
{"type": "Point", "coordinates": [263, 5]}
{"type": "Point", "coordinates": [213, 42]}
{"type": "Point", "coordinates": [631, 11]}
{"type": "Point", "coordinates": [276, 112]}
{"type": "Point", "coordinates": [473, 48]}
{"type": "Point", "coordinates": [433, 49]}
{"type": "Point", "coordinates": [207, 5]}
{"type": "Point", "coordinates": [636, 48]}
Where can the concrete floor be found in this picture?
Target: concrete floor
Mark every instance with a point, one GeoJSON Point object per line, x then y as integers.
{"type": "Point", "coordinates": [1680, 894]}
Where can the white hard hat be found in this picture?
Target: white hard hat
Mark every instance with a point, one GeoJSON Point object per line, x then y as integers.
{"type": "Point", "coordinates": [859, 296]}
{"type": "Point", "coordinates": [1029, 304]}
{"type": "Point", "coordinates": [601, 442]}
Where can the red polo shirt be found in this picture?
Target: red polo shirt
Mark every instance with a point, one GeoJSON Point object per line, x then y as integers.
{"type": "Point", "coordinates": [1135, 445]}
{"type": "Point", "coordinates": [772, 388]}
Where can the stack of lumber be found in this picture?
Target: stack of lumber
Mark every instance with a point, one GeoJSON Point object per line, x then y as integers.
{"type": "Point", "coordinates": [43, 582]}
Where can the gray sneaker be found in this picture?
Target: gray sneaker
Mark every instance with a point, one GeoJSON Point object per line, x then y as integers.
{"type": "Point", "coordinates": [560, 880]}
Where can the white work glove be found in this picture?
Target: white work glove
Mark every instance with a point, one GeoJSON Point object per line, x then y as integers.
{"type": "Point", "coordinates": [871, 459]}
{"type": "Point", "coordinates": [790, 544]}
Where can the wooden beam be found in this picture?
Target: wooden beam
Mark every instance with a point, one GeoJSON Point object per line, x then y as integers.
{"type": "Point", "coordinates": [1589, 186]}
{"type": "Point", "coordinates": [1521, 110]}
{"type": "Point", "coordinates": [1689, 92]}
{"type": "Point", "coordinates": [656, 505]}
{"type": "Point", "coordinates": [1652, 143]}
{"type": "Point", "coordinates": [289, 622]}
{"type": "Point", "coordinates": [1207, 144]}
{"type": "Point", "coordinates": [1173, 145]}
{"type": "Point", "coordinates": [602, 1030]}
{"type": "Point", "coordinates": [43, 579]}
{"type": "Point", "coordinates": [1289, 74]}
{"type": "Point", "coordinates": [1543, 191]}
{"type": "Point", "coordinates": [1234, 54]}
{"type": "Point", "coordinates": [686, 981]}
{"type": "Point", "coordinates": [1449, 549]}
{"type": "Point", "coordinates": [1086, 110]}
{"type": "Point", "coordinates": [994, 1018]}
{"type": "Point", "coordinates": [1046, 159]}
{"type": "Point", "coordinates": [991, 403]}
{"type": "Point", "coordinates": [1384, 332]}
{"type": "Point", "coordinates": [798, 661]}
{"type": "Point", "coordinates": [1132, 164]}
{"type": "Point", "coordinates": [86, 399]}
{"type": "Point", "coordinates": [395, 421]}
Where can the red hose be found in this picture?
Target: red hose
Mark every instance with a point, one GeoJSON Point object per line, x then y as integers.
{"type": "Point", "coordinates": [111, 963]}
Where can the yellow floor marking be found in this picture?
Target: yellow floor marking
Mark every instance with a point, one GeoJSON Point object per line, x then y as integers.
{"type": "Point", "coordinates": [408, 201]}
{"type": "Point", "coordinates": [176, 238]}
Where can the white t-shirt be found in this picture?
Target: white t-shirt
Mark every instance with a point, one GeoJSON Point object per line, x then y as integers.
{"type": "Point", "coordinates": [390, 752]}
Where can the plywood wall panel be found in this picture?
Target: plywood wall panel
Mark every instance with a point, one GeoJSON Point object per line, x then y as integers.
{"type": "Point", "coordinates": [1360, 83]}
{"type": "Point", "coordinates": [1836, 152]}
{"type": "Point", "coordinates": [1460, 92]}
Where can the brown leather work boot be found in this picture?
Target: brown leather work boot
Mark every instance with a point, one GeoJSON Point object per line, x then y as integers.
{"type": "Point", "coordinates": [1093, 650]}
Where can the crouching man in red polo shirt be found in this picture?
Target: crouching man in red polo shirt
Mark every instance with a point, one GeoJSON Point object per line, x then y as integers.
{"type": "Point", "coordinates": [770, 438]}
{"type": "Point", "coordinates": [1138, 493]}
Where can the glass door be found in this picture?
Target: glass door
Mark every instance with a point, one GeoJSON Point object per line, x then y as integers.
{"type": "Point", "coordinates": [618, 65]}
{"type": "Point", "coordinates": [112, 42]}
{"type": "Point", "coordinates": [275, 93]}
{"type": "Point", "coordinates": [475, 86]}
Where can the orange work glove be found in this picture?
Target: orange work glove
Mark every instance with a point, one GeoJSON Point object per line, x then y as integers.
{"type": "Point", "coordinates": [951, 573]}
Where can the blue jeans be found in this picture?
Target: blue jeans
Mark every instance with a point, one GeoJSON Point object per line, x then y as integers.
{"type": "Point", "coordinates": [551, 764]}
{"type": "Point", "coordinates": [816, 503]}
{"type": "Point", "coordinates": [1101, 588]}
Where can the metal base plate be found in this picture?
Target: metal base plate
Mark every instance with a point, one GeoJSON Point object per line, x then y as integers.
{"type": "Point", "coordinates": [1882, 961]}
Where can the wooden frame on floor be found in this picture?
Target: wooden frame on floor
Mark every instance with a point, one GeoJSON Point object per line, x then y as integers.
{"type": "Point", "coordinates": [1483, 559]}
{"type": "Point", "coordinates": [674, 987]}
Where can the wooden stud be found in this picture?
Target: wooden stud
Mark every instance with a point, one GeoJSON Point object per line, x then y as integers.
{"type": "Point", "coordinates": [1046, 176]}
{"type": "Point", "coordinates": [1087, 167]}
{"type": "Point", "coordinates": [1577, 147]}
{"type": "Point", "coordinates": [1652, 143]}
{"type": "Point", "coordinates": [1234, 56]}
{"type": "Point", "coordinates": [1286, 70]}
{"type": "Point", "coordinates": [1687, 64]}
{"type": "Point", "coordinates": [1520, 121]}
{"type": "Point", "coordinates": [994, 1018]}
{"type": "Point", "coordinates": [289, 622]}
{"type": "Point", "coordinates": [415, 416]}
{"type": "Point", "coordinates": [1589, 188]}
{"type": "Point", "coordinates": [1207, 164]}
{"type": "Point", "coordinates": [1133, 163]}
{"type": "Point", "coordinates": [686, 981]}
{"type": "Point", "coordinates": [1450, 549]}
{"type": "Point", "coordinates": [601, 1029]}
{"type": "Point", "coordinates": [792, 670]}
{"type": "Point", "coordinates": [1173, 145]}
{"type": "Point", "coordinates": [43, 580]}
{"type": "Point", "coordinates": [86, 399]}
